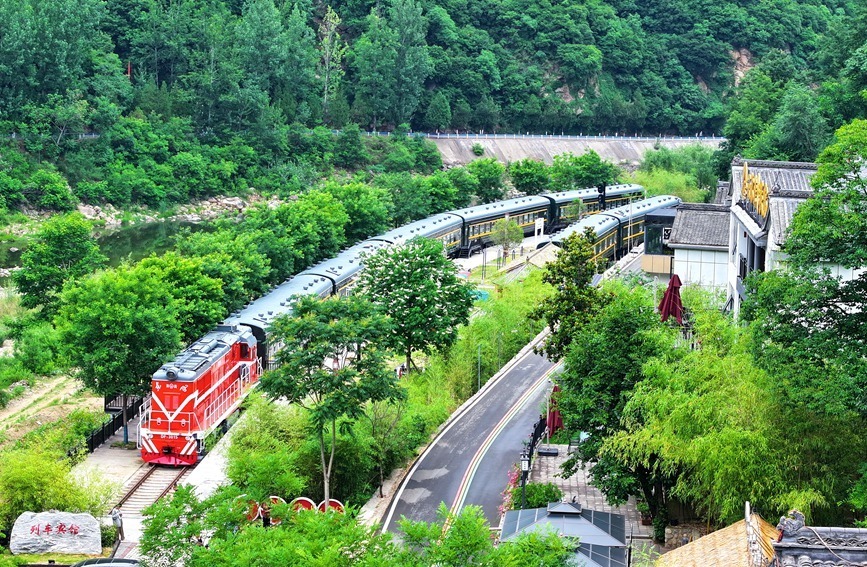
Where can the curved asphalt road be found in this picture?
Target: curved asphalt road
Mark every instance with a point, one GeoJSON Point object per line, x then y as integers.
{"type": "Point", "coordinates": [468, 461]}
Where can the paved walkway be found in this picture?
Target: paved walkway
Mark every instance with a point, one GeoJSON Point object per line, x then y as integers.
{"type": "Point", "coordinates": [547, 469]}
{"type": "Point", "coordinates": [117, 465]}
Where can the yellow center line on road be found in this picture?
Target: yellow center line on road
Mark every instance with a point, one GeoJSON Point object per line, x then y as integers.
{"type": "Point", "coordinates": [467, 479]}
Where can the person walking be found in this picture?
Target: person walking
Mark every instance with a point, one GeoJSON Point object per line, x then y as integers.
{"type": "Point", "coordinates": [117, 520]}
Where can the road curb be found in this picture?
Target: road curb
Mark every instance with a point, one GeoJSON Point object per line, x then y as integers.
{"type": "Point", "coordinates": [373, 511]}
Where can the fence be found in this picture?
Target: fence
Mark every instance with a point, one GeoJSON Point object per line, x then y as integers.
{"type": "Point", "coordinates": [101, 435]}
{"type": "Point", "coordinates": [530, 445]}
{"type": "Point", "coordinates": [554, 136]}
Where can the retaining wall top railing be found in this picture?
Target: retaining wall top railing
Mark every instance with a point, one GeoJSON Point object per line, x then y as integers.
{"type": "Point", "coordinates": [554, 136]}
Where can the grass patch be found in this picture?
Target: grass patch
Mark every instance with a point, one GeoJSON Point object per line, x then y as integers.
{"type": "Point", "coordinates": [662, 182]}
{"type": "Point", "coordinates": [59, 558]}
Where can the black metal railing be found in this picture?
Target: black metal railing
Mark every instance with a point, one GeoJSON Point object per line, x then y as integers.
{"type": "Point", "coordinates": [101, 435]}
{"type": "Point", "coordinates": [532, 441]}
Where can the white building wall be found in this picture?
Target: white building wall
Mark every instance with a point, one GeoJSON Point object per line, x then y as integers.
{"type": "Point", "coordinates": [705, 268]}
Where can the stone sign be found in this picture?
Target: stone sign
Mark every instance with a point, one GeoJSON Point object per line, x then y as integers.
{"type": "Point", "coordinates": [56, 532]}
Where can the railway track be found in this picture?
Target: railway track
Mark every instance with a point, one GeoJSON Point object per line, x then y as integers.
{"type": "Point", "coordinates": [151, 483]}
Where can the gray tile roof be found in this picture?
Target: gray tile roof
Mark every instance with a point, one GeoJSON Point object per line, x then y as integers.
{"type": "Point", "coordinates": [823, 547]}
{"type": "Point", "coordinates": [700, 225]}
{"type": "Point", "coordinates": [779, 176]}
{"type": "Point", "coordinates": [781, 211]}
{"type": "Point", "coordinates": [789, 185]}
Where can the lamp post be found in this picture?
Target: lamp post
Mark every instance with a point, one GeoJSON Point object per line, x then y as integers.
{"type": "Point", "coordinates": [525, 469]}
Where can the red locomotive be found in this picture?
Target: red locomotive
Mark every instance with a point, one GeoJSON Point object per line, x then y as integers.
{"type": "Point", "coordinates": [195, 393]}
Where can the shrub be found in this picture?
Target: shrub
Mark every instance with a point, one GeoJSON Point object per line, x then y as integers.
{"type": "Point", "coordinates": [11, 371]}
{"type": "Point", "coordinates": [478, 149]}
{"type": "Point", "coordinates": [37, 348]}
{"type": "Point", "coordinates": [107, 534]}
{"type": "Point", "coordinates": [36, 479]}
{"type": "Point", "coordinates": [662, 182]}
{"type": "Point", "coordinates": [539, 495]}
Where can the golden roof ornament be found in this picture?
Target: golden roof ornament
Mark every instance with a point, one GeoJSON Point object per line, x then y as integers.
{"type": "Point", "coordinates": [755, 192]}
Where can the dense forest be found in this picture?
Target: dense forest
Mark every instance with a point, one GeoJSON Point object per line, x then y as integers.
{"type": "Point", "coordinates": [182, 99]}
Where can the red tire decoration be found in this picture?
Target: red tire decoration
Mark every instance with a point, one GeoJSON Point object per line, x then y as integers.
{"type": "Point", "coordinates": [333, 505]}
{"type": "Point", "coordinates": [302, 503]}
{"type": "Point", "coordinates": [251, 508]}
{"type": "Point", "coordinates": [272, 501]}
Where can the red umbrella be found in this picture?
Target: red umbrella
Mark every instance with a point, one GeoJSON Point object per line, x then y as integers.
{"type": "Point", "coordinates": [555, 421]}
{"type": "Point", "coordinates": [671, 304]}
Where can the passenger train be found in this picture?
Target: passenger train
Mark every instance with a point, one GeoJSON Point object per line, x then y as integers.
{"type": "Point", "coordinates": [617, 230]}
{"type": "Point", "coordinates": [196, 392]}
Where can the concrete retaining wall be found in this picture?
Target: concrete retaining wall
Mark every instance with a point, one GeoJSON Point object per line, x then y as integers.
{"type": "Point", "coordinates": [621, 151]}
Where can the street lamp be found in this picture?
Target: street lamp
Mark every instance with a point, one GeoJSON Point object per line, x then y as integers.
{"type": "Point", "coordinates": [525, 469]}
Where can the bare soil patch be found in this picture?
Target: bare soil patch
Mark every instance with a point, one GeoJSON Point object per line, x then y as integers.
{"type": "Point", "coordinates": [50, 401]}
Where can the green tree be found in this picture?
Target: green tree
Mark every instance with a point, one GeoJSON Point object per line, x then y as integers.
{"type": "Point", "coordinates": [809, 321]}
{"type": "Point", "coordinates": [685, 422]}
{"type": "Point", "coordinates": [579, 172]}
{"type": "Point", "coordinates": [439, 112]}
{"type": "Point", "coordinates": [199, 297]}
{"type": "Point", "coordinates": [581, 63]}
{"type": "Point", "coordinates": [64, 249]}
{"type": "Point", "coordinates": [489, 176]}
{"type": "Point", "coordinates": [375, 55]}
{"type": "Point", "coordinates": [349, 150]}
{"type": "Point", "coordinates": [172, 527]}
{"type": "Point", "coordinates": [506, 233]}
{"type": "Point", "coordinates": [800, 130]}
{"type": "Point", "coordinates": [465, 183]}
{"type": "Point", "coordinates": [411, 63]}
{"type": "Point", "coordinates": [119, 326]}
{"type": "Point", "coordinates": [418, 287]}
{"type": "Point", "coordinates": [331, 364]}
{"type": "Point", "coordinates": [754, 107]}
{"type": "Point", "coordinates": [232, 259]}
{"type": "Point", "coordinates": [595, 388]}
{"type": "Point", "coordinates": [331, 52]}
{"type": "Point", "coordinates": [529, 176]}
{"type": "Point", "coordinates": [409, 194]}
{"type": "Point", "coordinates": [574, 299]}
{"type": "Point", "coordinates": [367, 207]}
{"type": "Point", "coordinates": [262, 45]}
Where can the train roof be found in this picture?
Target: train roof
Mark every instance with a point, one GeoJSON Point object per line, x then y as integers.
{"type": "Point", "coordinates": [501, 208]}
{"type": "Point", "coordinates": [347, 264]}
{"type": "Point", "coordinates": [621, 188]}
{"type": "Point", "coordinates": [194, 360]}
{"type": "Point", "coordinates": [607, 220]}
{"type": "Point", "coordinates": [561, 197]}
{"type": "Point", "coordinates": [428, 227]}
{"type": "Point", "coordinates": [261, 312]}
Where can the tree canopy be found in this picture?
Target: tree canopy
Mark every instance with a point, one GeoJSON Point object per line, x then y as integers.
{"type": "Point", "coordinates": [118, 326]}
{"type": "Point", "coordinates": [417, 286]}
{"type": "Point", "coordinates": [332, 363]}
{"type": "Point", "coordinates": [64, 249]}
{"type": "Point", "coordinates": [574, 299]}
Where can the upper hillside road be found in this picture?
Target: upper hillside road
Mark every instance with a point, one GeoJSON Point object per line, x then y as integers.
{"type": "Point", "coordinates": [620, 150]}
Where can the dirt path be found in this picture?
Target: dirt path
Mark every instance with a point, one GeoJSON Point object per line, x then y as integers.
{"type": "Point", "coordinates": [49, 401]}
